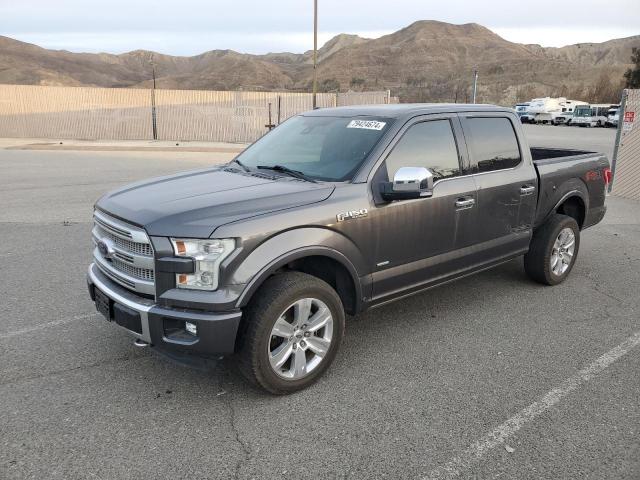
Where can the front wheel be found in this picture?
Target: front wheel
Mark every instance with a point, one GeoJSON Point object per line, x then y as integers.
{"type": "Point", "coordinates": [553, 250]}
{"type": "Point", "coordinates": [291, 333]}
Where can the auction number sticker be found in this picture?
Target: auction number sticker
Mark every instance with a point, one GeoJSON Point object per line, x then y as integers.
{"type": "Point", "coordinates": [366, 124]}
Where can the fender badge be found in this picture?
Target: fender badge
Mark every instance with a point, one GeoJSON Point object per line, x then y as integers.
{"type": "Point", "coordinates": [352, 214]}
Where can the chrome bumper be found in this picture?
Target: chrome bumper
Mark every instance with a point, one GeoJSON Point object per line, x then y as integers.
{"type": "Point", "coordinates": [124, 297]}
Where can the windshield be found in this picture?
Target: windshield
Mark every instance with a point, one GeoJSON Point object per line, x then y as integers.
{"type": "Point", "coordinates": [323, 148]}
{"type": "Point", "coordinates": [582, 112]}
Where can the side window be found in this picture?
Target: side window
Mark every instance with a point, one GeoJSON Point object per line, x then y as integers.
{"type": "Point", "coordinates": [493, 143]}
{"type": "Point", "coordinates": [428, 144]}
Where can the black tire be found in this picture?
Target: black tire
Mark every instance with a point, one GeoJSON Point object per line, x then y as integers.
{"type": "Point", "coordinates": [275, 296]}
{"type": "Point", "coordinates": [537, 262]}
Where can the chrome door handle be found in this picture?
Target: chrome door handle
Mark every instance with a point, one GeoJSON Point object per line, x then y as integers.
{"type": "Point", "coordinates": [465, 202]}
{"type": "Point", "coordinates": [527, 189]}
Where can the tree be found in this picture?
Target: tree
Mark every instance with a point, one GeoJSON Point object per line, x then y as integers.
{"type": "Point", "coordinates": [633, 74]}
{"type": "Point", "coordinates": [329, 85]}
{"type": "Point", "coordinates": [357, 82]}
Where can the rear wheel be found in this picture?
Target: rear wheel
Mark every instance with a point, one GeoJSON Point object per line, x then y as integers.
{"type": "Point", "coordinates": [292, 331]}
{"type": "Point", "coordinates": [553, 250]}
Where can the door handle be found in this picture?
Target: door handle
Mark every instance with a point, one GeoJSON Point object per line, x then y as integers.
{"type": "Point", "coordinates": [527, 189]}
{"type": "Point", "coordinates": [465, 202]}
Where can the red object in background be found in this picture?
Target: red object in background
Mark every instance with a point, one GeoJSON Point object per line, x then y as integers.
{"type": "Point", "coordinates": [629, 117]}
{"type": "Point", "coordinates": [606, 173]}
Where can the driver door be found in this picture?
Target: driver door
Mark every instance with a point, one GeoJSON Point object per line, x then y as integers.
{"type": "Point", "coordinates": [423, 241]}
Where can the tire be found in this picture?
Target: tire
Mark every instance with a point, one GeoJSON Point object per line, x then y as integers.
{"type": "Point", "coordinates": [282, 298]}
{"type": "Point", "coordinates": [542, 263]}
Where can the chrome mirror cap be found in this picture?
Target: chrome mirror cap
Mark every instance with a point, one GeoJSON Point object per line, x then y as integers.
{"type": "Point", "coordinates": [413, 179]}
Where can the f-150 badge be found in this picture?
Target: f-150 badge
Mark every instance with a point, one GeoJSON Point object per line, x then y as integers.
{"type": "Point", "coordinates": [352, 214]}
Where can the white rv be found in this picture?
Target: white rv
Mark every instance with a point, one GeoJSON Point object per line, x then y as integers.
{"type": "Point", "coordinates": [552, 111]}
{"type": "Point", "coordinates": [591, 115]}
{"type": "Point", "coordinates": [566, 113]}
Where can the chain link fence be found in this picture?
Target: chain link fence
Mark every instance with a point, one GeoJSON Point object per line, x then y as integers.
{"type": "Point", "coordinates": [626, 162]}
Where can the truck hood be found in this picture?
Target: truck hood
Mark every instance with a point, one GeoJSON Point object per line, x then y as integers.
{"type": "Point", "coordinates": [193, 204]}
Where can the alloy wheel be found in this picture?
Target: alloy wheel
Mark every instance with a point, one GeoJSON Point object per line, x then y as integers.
{"type": "Point", "coordinates": [300, 338]}
{"type": "Point", "coordinates": [562, 252]}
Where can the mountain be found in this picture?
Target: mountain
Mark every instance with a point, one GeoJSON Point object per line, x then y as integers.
{"type": "Point", "coordinates": [426, 61]}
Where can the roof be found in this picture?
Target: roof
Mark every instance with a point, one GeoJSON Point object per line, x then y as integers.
{"type": "Point", "coordinates": [403, 109]}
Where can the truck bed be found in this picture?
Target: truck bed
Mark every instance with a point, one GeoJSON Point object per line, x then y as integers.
{"type": "Point", "coordinates": [543, 153]}
{"type": "Point", "coordinates": [562, 171]}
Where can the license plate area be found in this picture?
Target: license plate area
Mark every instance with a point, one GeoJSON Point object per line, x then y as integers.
{"type": "Point", "coordinates": [104, 305]}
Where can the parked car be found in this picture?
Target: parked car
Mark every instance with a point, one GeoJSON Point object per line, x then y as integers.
{"type": "Point", "coordinates": [613, 117]}
{"type": "Point", "coordinates": [334, 212]}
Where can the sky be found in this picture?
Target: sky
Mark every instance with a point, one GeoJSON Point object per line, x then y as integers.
{"type": "Point", "coordinates": [190, 27]}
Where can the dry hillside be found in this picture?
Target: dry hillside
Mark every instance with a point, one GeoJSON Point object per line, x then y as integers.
{"type": "Point", "coordinates": [426, 61]}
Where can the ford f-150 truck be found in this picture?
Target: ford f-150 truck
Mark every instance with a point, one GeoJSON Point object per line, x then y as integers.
{"type": "Point", "coordinates": [333, 212]}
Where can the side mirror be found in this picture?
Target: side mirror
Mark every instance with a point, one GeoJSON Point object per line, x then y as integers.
{"type": "Point", "coordinates": [408, 183]}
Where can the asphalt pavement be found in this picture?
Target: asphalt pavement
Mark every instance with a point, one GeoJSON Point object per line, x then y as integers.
{"type": "Point", "coordinates": [492, 376]}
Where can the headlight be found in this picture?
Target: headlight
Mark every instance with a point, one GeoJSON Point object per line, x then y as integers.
{"type": "Point", "coordinates": [208, 255]}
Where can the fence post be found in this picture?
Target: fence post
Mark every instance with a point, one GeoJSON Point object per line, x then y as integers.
{"type": "Point", "coordinates": [153, 114]}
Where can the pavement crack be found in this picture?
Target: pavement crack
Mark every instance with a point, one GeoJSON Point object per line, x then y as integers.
{"type": "Point", "coordinates": [244, 445]}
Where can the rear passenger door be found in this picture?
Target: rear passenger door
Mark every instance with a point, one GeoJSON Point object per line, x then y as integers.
{"type": "Point", "coordinates": [507, 186]}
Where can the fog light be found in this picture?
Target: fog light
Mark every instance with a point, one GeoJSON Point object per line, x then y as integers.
{"type": "Point", "coordinates": [192, 328]}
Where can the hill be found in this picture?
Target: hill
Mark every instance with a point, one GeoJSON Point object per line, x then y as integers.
{"type": "Point", "coordinates": [426, 61]}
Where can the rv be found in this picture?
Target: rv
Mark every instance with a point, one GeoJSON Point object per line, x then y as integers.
{"type": "Point", "coordinates": [591, 115]}
{"type": "Point", "coordinates": [566, 113]}
{"type": "Point", "coordinates": [552, 111]}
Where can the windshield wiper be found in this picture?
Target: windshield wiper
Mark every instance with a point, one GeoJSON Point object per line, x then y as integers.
{"type": "Point", "coordinates": [244, 167]}
{"type": "Point", "coordinates": [283, 169]}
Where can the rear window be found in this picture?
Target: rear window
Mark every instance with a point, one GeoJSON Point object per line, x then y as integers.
{"type": "Point", "coordinates": [493, 143]}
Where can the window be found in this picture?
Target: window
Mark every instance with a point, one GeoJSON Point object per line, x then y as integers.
{"type": "Point", "coordinates": [493, 143]}
{"type": "Point", "coordinates": [426, 144]}
{"type": "Point", "coordinates": [324, 148]}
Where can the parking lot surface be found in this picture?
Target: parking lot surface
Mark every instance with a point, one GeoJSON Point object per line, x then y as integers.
{"type": "Point", "coordinates": [492, 376]}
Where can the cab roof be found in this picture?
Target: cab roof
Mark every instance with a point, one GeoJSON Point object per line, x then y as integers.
{"type": "Point", "coordinates": [403, 110]}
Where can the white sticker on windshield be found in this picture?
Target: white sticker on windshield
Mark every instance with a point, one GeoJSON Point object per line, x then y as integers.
{"type": "Point", "coordinates": [367, 124]}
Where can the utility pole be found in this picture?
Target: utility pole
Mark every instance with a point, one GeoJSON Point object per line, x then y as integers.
{"type": "Point", "coordinates": [475, 84]}
{"type": "Point", "coordinates": [153, 100]}
{"type": "Point", "coordinates": [315, 51]}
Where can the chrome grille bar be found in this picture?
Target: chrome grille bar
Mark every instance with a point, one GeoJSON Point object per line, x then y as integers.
{"type": "Point", "coordinates": [123, 253]}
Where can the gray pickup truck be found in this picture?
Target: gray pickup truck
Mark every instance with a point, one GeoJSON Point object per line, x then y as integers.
{"type": "Point", "coordinates": [333, 212]}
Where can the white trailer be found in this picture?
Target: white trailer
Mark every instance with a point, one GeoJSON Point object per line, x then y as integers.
{"type": "Point", "coordinates": [552, 111]}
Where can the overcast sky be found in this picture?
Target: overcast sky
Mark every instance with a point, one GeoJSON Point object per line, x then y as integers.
{"type": "Point", "coordinates": [189, 27]}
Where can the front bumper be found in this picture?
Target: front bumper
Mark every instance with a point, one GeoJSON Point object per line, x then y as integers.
{"type": "Point", "coordinates": [163, 327]}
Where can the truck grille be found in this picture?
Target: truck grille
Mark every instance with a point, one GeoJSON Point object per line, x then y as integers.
{"type": "Point", "coordinates": [123, 252]}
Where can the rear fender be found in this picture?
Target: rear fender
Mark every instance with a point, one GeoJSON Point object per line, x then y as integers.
{"type": "Point", "coordinates": [573, 188]}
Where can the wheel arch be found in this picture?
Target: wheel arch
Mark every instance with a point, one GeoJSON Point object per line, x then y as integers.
{"type": "Point", "coordinates": [572, 204]}
{"type": "Point", "coordinates": [318, 251]}
{"type": "Point", "coordinates": [322, 262]}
